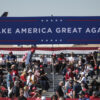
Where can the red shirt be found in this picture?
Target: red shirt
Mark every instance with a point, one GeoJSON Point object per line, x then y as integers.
{"type": "Point", "coordinates": [61, 59]}
{"type": "Point", "coordinates": [68, 76]}
{"type": "Point", "coordinates": [23, 78]}
{"type": "Point", "coordinates": [14, 72]}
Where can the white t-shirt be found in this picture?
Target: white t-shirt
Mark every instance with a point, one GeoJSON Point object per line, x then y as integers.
{"type": "Point", "coordinates": [28, 79]}
{"type": "Point", "coordinates": [71, 59]}
{"type": "Point", "coordinates": [44, 60]}
{"type": "Point", "coordinates": [83, 79]}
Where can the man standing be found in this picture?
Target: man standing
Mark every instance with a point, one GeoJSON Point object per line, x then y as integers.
{"type": "Point", "coordinates": [21, 97]}
{"type": "Point", "coordinates": [16, 89]}
{"type": "Point", "coordinates": [29, 58]}
{"type": "Point", "coordinates": [43, 60]}
{"type": "Point", "coordinates": [3, 61]}
{"type": "Point", "coordinates": [9, 82]}
{"type": "Point", "coordinates": [59, 91]}
{"type": "Point", "coordinates": [11, 59]}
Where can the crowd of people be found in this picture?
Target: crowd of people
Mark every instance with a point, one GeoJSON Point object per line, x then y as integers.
{"type": "Point", "coordinates": [80, 76]}
{"type": "Point", "coordinates": [32, 80]}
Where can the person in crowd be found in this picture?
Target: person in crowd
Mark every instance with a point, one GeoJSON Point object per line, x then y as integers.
{"type": "Point", "coordinates": [1, 75]}
{"type": "Point", "coordinates": [80, 68]}
{"type": "Point", "coordinates": [56, 67]}
{"type": "Point", "coordinates": [90, 59]}
{"type": "Point", "coordinates": [16, 89]}
{"type": "Point", "coordinates": [64, 73]}
{"type": "Point", "coordinates": [61, 63]}
{"type": "Point", "coordinates": [54, 97]}
{"type": "Point", "coordinates": [43, 60]}
{"type": "Point", "coordinates": [36, 64]}
{"type": "Point", "coordinates": [3, 90]}
{"type": "Point", "coordinates": [38, 95]}
{"type": "Point", "coordinates": [14, 72]}
{"type": "Point", "coordinates": [21, 97]}
{"type": "Point", "coordinates": [76, 89]}
{"type": "Point", "coordinates": [90, 88]}
{"type": "Point", "coordinates": [9, 81]}
{"type": "Point", "coordinates": [64, 63]}
{"type": "Point", "coordinates": [37, 74]}
{"type": "Point", "coordinates": [43, 80]}
{"type": "Point", "coordinates": [10, 91]}
{"type": "Point", "coordinates": [3, 61]}
{"type": "Point", "coordinates": [31, 80]}
{"type": "Point", "coordinates": [28, 61]}
{"type": "Point", "coordinates": [89, 70]}
{"type": "Point", "coordinates": [26, 92]}
{"type": "Point", "coordinates": [59, 91]}
{"type": "Point", "coordinates": [95, 85]}
{"type": "Point", "coordinates": [83, 85]}
{"type": "Point", "coordinates": [69, 75]}
{"type": "Point", "coordinates": [23, 61]}
{"type": "Point", "coordinates": [71, 59]}
{"type": "Point", "coordinates": [11, 59]}
{"type": "Point", "coordinates": [33, 93]}
{"type": "Point", "coordinates": [23, 77]}
{"type": "Point", "coordinates": [76, 75]}
{"type": "Point", "coordinates": [82, 96]}
{"type": "Point", "coordinates": [82, 78]}
{"type": "Point", "coordinates": [69, 90]}
{"type": "Point", "coordinates": [53, 62]}
{"type": "Point", "coordinates": [81, 61]}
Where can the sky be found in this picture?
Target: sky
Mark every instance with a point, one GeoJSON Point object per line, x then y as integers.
{"type": "Point", "coordinates": [29, 8]}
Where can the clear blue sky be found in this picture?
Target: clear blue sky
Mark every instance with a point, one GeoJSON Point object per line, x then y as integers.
{"type": "Point", "coordinates": [26, 8]}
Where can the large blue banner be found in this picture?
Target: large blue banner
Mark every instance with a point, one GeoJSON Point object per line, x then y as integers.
{"type": "Point", "coordinates": [50, 30]}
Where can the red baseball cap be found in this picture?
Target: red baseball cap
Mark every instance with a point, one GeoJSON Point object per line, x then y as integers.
{"type": "Point", "coordinates": [84, 89]}
{"type": "Point", "coordinates": [54, 54]}
{"type": "Point", "coordinates": [34, 88]}
{"type": "Point", "coordinates": [32, 50]}
{"type": "Point", "coordinates": [10, 52]}
{"type": "Point", "coordinates": [2, 55]}
{"type": "Point", "coordinates": [41, 66]}
{"type": "Point", "coordinates": [76, 71]}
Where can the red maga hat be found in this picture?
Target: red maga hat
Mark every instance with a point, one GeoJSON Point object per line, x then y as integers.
{"type": "Point", "coordinates": [2, 55]}
{"type": "Point", "coordinates": [84, 89]}
{"type": "Point", "coordinates": [76, 71]}
{"type": "Point", "coordinates": [54, 54]}
{"type": "Point", "coordinates": [34, 88]}
{"type": "Point", "coordinates": [41, 66]}
{"type": "Point", "coordinates": [10, 52]}
{"type": "Point", "coordinates": [32, 50]}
